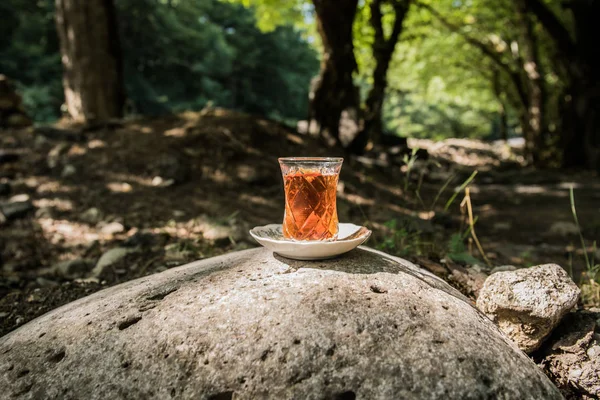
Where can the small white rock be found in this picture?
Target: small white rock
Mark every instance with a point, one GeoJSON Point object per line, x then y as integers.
{"type": "Point", "coordinates": [593, 352]}
{"type": "Point", "coordinates": [18, 198]}
{"type": "Point", "coordinates": [575, 373]}
{"type": "Point", "coordinates": [157, 181]}
{"type": "Point", "coordinates": [112, 228]}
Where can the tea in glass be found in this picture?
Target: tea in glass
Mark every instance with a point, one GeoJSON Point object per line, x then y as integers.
{"type": "Point", "coordinates": [310, 185]}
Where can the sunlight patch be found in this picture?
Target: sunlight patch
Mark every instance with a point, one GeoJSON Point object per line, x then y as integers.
{"type": "Point", "coordinates": [119, 187]}
{"type": "Point", "coordinates": [59, 204]}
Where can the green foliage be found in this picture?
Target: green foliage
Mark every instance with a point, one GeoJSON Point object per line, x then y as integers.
{"type": "Point", "coordinates": [428, 94]}
{"type": "Point", "coordinates": [401, 240]}
{"type": "Point", "coordinates": [457, 251]}
{"type": "Point", "coordinates": [460, 189]}
{"type": "Point", "coordinates": [196, 52]}
{"type": "Point", "coordinates": [273, 13]}
{"type": "Point", "coordinates": [29, 55]}
{"type": "Point", "coordinates": [178, 55]}
{"type": "Point", "coordinates": [409, 162]}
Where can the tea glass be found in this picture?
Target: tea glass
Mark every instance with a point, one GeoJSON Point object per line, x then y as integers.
{"type": "Point", "coordinates": [310, 185]}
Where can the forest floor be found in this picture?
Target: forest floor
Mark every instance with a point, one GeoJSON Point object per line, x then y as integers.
{"type": "Point", "coordinates": [150, 194]}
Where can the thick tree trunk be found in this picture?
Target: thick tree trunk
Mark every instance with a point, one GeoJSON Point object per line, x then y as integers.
{"type": "Point", "coordinates": [335, 95]}
{"type": "Point", "coordinates": [580, 129]}
{"type": "Point", "coordinates": [580, 121]}
{"type": "Point", "coordinates": [581, 138]}
{"type": "Point", "coordinates": [91, 57]}
{"type": "Point", "coordinates": [535, 140]}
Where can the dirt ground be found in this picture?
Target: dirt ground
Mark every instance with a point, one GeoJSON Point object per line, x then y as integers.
{"type": "Point", "coordinates": [176, 189]}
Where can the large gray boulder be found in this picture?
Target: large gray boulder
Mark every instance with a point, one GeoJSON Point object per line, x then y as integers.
{"type": "Point", "coordinates": [253, 325]}
{"type": "Point", "coordinates": [527, 304]}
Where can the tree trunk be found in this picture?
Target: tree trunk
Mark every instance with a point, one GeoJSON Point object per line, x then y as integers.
{"type": "Point", "coordinates": [383, 50]}
{"type": "Point", "coordinates": [580, 54]}
{"type": "Point", "coordinates": [91, 57]}
{"type": "Point", "coordinates": [581, 138]}
{"type": "Point", "coordinates": [535, 140]}
{"type": "Point", "coordinates": [503, 118]}
{"type": "Point", "coordinates": [580, 128]}
{"type": "Point", "coordinates": [335, 95]}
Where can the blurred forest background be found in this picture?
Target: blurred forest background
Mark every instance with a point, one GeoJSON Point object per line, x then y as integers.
{"type": "Point", "coordinates": [479, 69]}
{"type": "Point", "coordinates": [138, 135]}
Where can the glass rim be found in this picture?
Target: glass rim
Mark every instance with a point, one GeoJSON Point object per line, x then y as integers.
{"type": "Point", "coordinates": [300, 160]}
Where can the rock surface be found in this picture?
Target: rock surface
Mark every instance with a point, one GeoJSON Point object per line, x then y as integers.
{"type": "Point", "coordinates": [572, 355]}
{"type": "Point", "coordinates": [528, 303]}
{"type": "Point", "coordinates": [254, 325]}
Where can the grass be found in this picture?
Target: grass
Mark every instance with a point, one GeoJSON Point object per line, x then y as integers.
{"type": "Point", "coordinates": [401, 240]}
{"type": "Point", "coordinates": [404, 240]}
{"type": "Point", "coordinates": [590, 279]}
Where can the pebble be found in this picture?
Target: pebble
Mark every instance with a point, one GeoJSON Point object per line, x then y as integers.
{"type": "Point", "coordinates": [575, 373]}
{"type": "Point", "coordinates": [593, 352]}
{"type": "Point", "coordinates": [109, 258]}
{"type": "Point", "coordinates": [68, 171]}
{"type": "Point", "coordinates": [91, 216]}
{"type": "Point", "coordinates": [19, 198]}
{"type": "Point", "coordinates": [112, 228]}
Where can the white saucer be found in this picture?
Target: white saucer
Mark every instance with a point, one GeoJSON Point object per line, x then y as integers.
{"type": "Point", "coordinates": [349, 237]}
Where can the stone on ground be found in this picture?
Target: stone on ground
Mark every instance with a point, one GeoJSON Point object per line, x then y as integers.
{"type": "Point", "coordinates": [572, 355]}
{"type": "Point", "coordinates": [92, 216]}
{"type": "Point", "coordinates": [251, 324]}
{"type": "Point", "coordinates": [73, 269]}
{"type": "Point", "coordinates": [527, 304]}
{"type": "Point", "coordinates": [17, 209]}
{"type": "Point", "coordinates": [110, 258]}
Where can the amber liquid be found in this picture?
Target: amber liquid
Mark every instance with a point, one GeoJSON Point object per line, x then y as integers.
{"type": "Point", "coordinates": [310, 207]}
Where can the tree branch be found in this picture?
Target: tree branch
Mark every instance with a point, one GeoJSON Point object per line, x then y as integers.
{"type": "Point", "coordinates": [376, 21]}
{"type": "Point", "coordinates": [553, 26]}
{"type": "Point", "coordinates": [486, 50]}
{"type": "Point", "coordinates": [400, 9]}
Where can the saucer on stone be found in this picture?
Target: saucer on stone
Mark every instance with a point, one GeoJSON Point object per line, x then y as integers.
{"type": "Point", "coordinates": [349, 237]}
